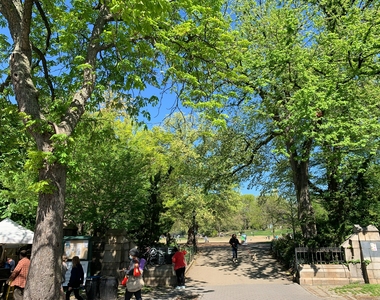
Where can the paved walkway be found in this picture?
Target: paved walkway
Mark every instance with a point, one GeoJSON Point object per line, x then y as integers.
{"type": "Point", "coordinates": [213, 276]}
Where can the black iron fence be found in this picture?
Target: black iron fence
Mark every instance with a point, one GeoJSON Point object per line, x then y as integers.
{"type": "Point", "coordinates": [190, 254]}
{"type": "Point", "coordinates": [324, 255]}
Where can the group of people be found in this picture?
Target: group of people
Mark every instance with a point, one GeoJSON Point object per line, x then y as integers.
{"type": "Point", "coordinates": [133, 273]}
{"type": "Point", "coordinates": [135, 270]}
{"type": "Point", "coordinates": [135, 283]}
{"type": "Point", "coordinates": [18, 276]}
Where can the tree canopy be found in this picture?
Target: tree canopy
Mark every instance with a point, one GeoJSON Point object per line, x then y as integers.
{"type": "Point", "coordinates": [290, 87]}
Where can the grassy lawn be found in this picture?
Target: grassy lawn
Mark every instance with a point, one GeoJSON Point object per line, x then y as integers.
{"type": "Point", "coordinates": [359, 289]}
{"type": "Point", "coordinates": [269, 232]}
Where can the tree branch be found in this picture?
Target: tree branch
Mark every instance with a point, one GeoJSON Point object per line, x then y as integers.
{"type": "Point", "coordinates": [315, 188]}
{"type": "Point", "coordinates": [77, 107]}
{"type": "Point", "coordinates": [46, 22]}
{"type": "Point", "coordinates": [46, 71]}
{"type": "Point", "coordinates": [6, 83]}
{"type": "Point", "coordinates": [264, 142]}
{"type": "Point", "coordinates": [11, 10]}
{"type": "Point", "coordinates": [25, 30]}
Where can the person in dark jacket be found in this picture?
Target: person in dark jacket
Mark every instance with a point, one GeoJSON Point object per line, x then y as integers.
{"type": "Point", "coordinates": [234, 242]}
{"type": "Point", "coordinates": [76, 279]}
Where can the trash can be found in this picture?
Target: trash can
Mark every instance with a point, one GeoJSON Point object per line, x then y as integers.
{"type": "Point", "coordinates": [168, 255]}
{"type": "Point", "coordinates": [92, 287]}
{"type": "Point", "coordinates": [108, 288]}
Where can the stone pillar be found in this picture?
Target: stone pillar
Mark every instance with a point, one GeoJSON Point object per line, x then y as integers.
{"type": "Point", "coordinates": [115, 252]}
{"type": "Point", "coordinates": [352, 255]}
{"type": "Point", "coordinates": [369, 239]}
{"type": "Point", "coordinates": [362, 252]}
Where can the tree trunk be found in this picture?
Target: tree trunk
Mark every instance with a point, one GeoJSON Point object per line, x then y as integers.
{"type": "Point", "coordinates": [305, 211]}
{"type": "Point", "coordinates": [300, 170]}
{"type": "Point", "coordinates": [191, 235]}
{"type": "Point", "coordinates": [44, 279]}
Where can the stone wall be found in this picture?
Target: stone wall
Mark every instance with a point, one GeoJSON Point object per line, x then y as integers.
{"type": "Point", "coordinates": [163, 275]}
{"type": "Point", "coordinates": [323, 275]}
{"type": "Point", "coordinates": [362, 255]}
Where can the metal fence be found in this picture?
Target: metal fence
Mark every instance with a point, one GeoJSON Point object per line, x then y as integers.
{"type": "Point", "coordinates": [190, 254]}
{"type": "Point", "coordinates": [324, 255]}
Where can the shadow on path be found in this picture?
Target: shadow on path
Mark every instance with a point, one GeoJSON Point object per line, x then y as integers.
{"type": "Point", "coordinates": [214, 266]}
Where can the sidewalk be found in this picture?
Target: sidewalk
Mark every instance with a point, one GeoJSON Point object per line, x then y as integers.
{"type": "Point", "coordinates": [256, 276]}
{"type": "Point", "coordinates": [213, 276]}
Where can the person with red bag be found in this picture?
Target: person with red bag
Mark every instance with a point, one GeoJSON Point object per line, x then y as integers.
{"type": "Point", "coordinates": [179, 262]}
{"type": "Point", "coordinates": [134, 273]}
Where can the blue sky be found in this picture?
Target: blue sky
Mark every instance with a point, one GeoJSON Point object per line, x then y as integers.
{"type": "Point", "coordinates": [159, 112]}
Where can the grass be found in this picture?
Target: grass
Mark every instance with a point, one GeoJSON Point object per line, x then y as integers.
{"type": "Point", "coordinates": [359, 289]}
{"type": "Point", "coordinates": [227, 235]}
{"type": "Point", "coordinates": [278, 232]}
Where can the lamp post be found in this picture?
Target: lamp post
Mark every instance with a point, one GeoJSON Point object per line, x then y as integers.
{"type": "Point", "coordinates": [194, 232]}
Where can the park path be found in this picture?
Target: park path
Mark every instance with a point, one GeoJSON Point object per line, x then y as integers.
{"type": "Point", "coordinates": [213, 276]}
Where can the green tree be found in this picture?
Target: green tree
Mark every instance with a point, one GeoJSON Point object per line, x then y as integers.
{"type": "Point", "coordinates": [64, 56]}
{"type": "Point", "coordinates": [105, 174]}
{"type": "Point", "coordinates": [16, 201]}
{"type": "Point", "coordinates": [192, 188]}
{"type": "Point", "coordinates": [305, 87]}
{"type": "Point", "coordinates": [274, 210]}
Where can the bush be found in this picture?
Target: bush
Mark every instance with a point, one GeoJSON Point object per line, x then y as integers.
{"type": "Point", "coordinates": [283, 249]}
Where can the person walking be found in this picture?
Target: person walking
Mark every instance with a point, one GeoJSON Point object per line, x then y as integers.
{"type": "Point", "coordinates": [19, 275]}
{"type": "Point", "coordinates": [76, 279]}
{"type": "Point", "coordinates": [179, 262]}
{"type": "Point", "coordinates": [234, 242]}
{"type": "Point", "coordinates": [64, 270]}
{"type": "Point", "coordinates": [134, 273]}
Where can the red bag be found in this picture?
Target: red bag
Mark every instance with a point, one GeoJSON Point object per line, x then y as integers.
{"type": "Point", "coordinates": [136, 272]}
{"type": "Point", "coordinates": [124, 281]}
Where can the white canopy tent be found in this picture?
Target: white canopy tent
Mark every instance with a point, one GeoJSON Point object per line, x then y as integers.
{"type": "Point", "coordinates": [13, 235]}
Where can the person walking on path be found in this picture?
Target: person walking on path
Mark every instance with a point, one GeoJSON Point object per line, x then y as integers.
{"type": "Point", "coordinates": [76, 279]}
{"type": "Point", "coordinates": [179, 262]}
{"type": "Point", "coordinates": [19, 275]}
{"type": "Point", "coordinates": [234, 242]}
{"type": "Point", "coordinates": [134, 273]}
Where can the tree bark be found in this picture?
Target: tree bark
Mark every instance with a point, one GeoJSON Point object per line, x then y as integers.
{"type": "Point", "coordinates": [44, 278]}
{"type": "Point", "coordinates": [300, 170]}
